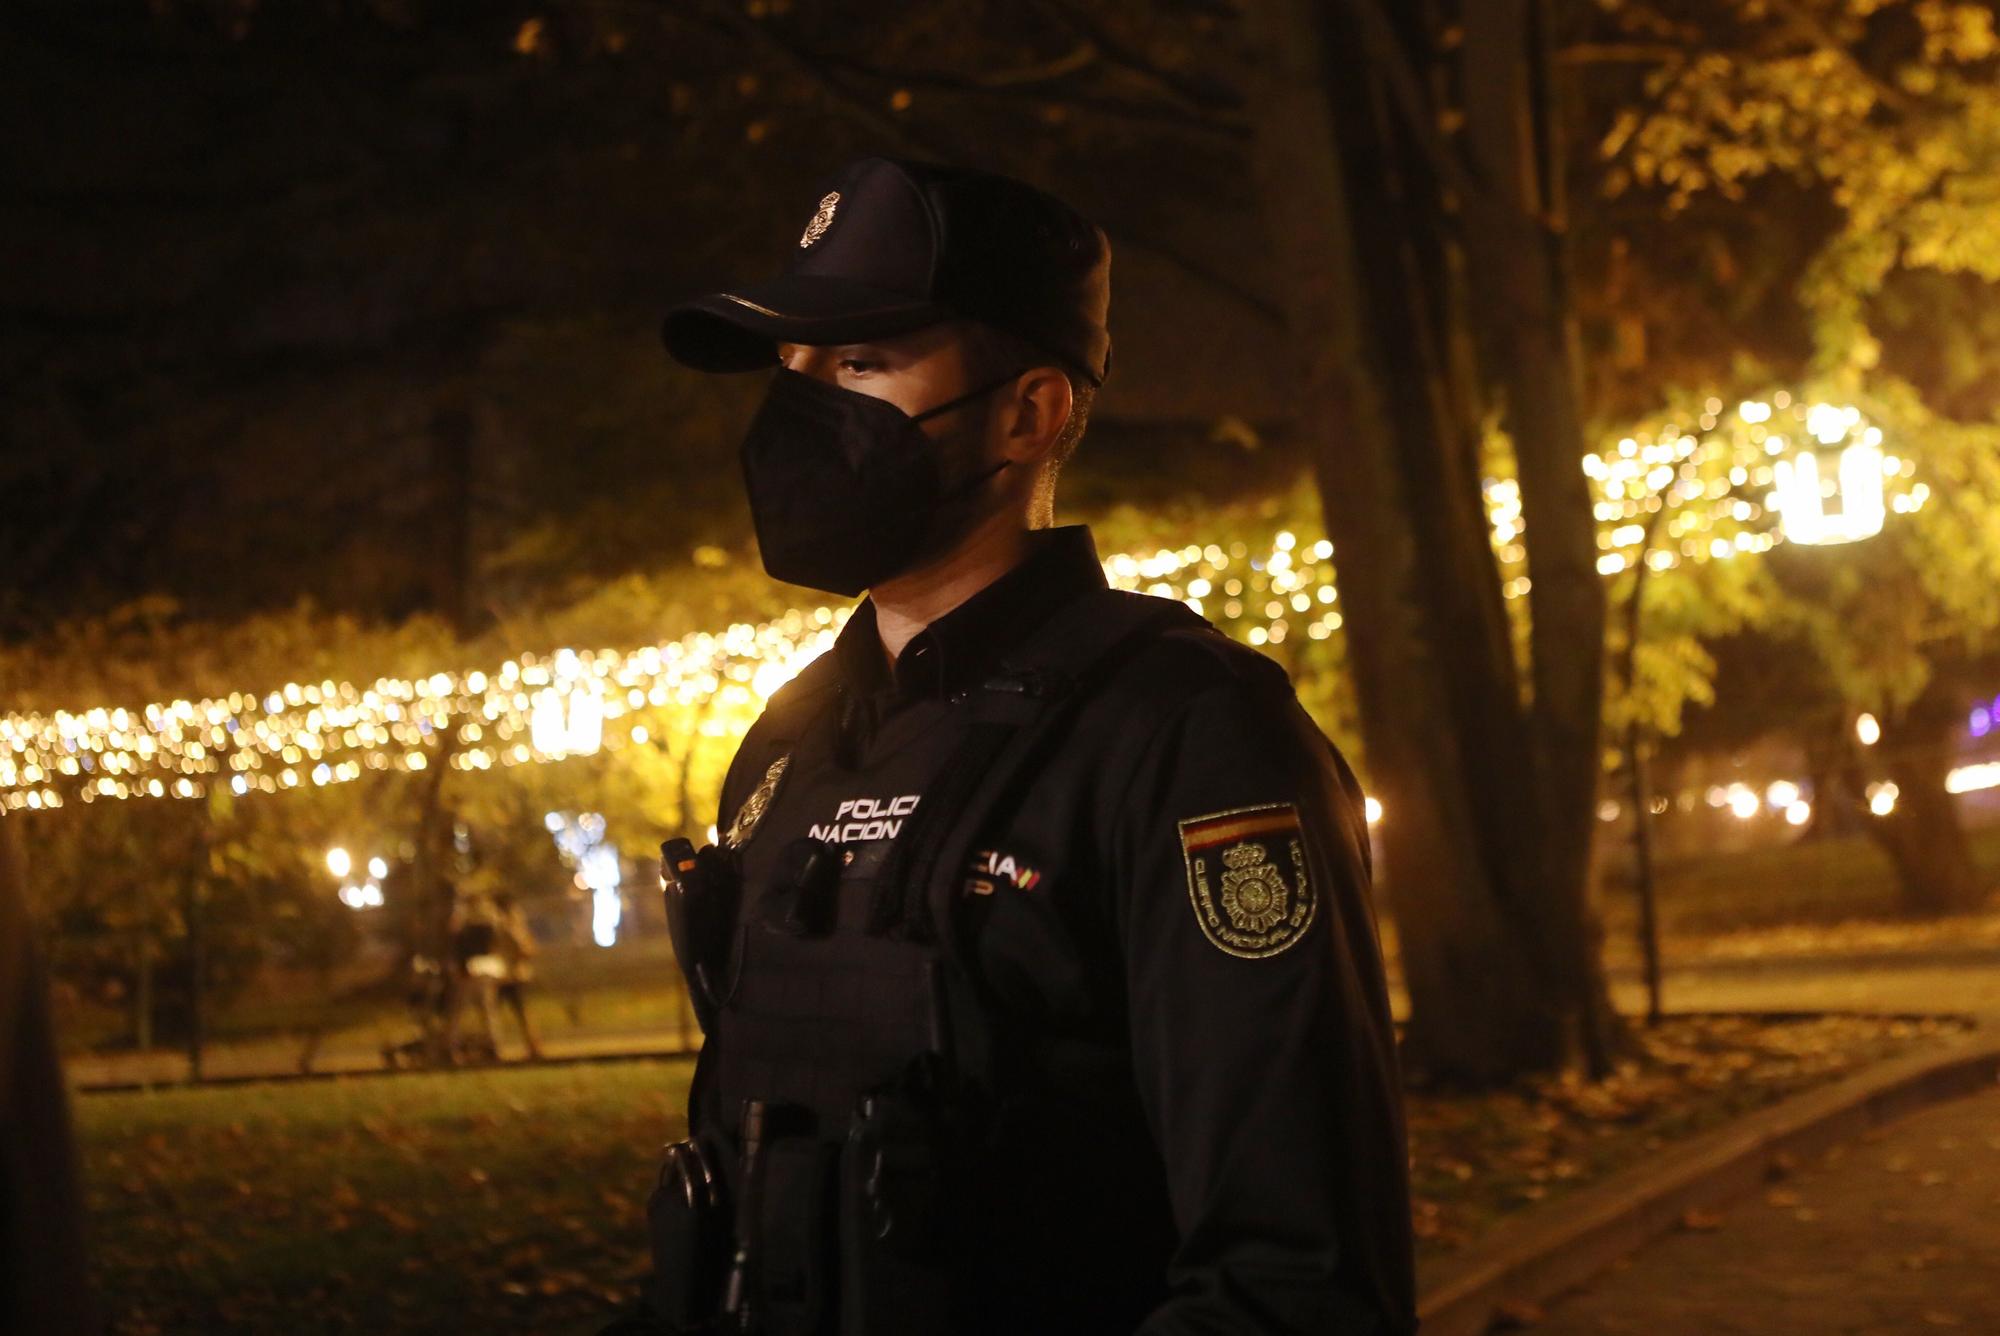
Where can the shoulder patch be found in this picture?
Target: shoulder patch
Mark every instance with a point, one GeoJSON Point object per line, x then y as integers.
{"type": "Point", "coordinates": [1246, 872]}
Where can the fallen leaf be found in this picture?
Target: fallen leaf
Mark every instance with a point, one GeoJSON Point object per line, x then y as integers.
{"type": "Point", "coordinates": [1514, 1314]}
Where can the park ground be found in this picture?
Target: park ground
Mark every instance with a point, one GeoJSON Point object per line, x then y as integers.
{"type": "Point", "coordinates": [510, 1198]}
{"type": "Point", "coordinates": [1809, 926]}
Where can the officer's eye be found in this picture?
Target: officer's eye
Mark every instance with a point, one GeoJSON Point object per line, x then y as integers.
{"type": "Point", "coordinates": [860, 365]}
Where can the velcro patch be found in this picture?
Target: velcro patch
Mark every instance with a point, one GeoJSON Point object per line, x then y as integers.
{"type": "Point", "coordinates": [1246, 871]}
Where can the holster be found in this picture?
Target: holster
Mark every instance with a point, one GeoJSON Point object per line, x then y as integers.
{"type": "Point", "coordinates": [700, 892]}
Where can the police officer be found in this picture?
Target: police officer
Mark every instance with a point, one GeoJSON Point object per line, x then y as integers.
{"type": "Point", "coordinates": [1040, 979]}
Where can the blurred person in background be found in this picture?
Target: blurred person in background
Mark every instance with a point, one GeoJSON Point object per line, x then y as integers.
{"type": "Point", "coordinates": [515, 945]}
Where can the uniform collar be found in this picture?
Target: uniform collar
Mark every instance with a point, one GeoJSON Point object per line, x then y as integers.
{"type": "Point", "coordinates": [963, 646]}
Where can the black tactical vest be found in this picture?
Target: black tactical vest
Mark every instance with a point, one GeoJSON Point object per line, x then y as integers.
{"type": "Point", "coordinates": [855, 1065]}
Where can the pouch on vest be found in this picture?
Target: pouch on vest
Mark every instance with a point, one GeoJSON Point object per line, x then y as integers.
{"type": "Point", "coordinates": [795, 1256]}
{"type": "Point", "coordinates": [688, 1226]}
{"type": "Point", "coordinates": [898, 1179]}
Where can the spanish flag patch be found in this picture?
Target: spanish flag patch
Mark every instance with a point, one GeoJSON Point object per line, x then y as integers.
{"type": "Point", "coordinates": [1246, 871]}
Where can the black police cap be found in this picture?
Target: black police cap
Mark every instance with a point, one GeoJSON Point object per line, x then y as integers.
{"type": "Point", "coordinates": [892, 246]}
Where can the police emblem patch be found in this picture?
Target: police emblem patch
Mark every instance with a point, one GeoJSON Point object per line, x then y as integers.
{"type": "Point", "coordinates": [993, 868]}
{"type": "Point", "coordinates": [1246, 871]}
{"type": "Point", "coordinates": [821, 219]}
{"type": "Point", "coordinates": [752, 811]}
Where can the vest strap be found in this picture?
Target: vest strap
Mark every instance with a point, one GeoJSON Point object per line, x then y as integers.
{"type": "Point", "coordinates": [1039, 683]}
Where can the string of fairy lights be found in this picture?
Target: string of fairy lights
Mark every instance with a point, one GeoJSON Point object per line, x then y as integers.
{"type": "Point", "coordinates": [1738, 483]}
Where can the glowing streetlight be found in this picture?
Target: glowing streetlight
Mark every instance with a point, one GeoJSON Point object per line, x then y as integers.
{"type": "Point", "coordinates": [1868, 730]}
{"type": "Point", "coordinates": [1800, 494]}
{"type": "Point", "coordinates": [1971, 778]}
{"type": "Point", "coordinates": [368, 895]}
{"type": "Point", "coordinates": [339, 862]}
{"type": "Point", "coordinates": [1882, 797]}
{"type": "Point", "coordinates": [571, 725]}
{"type": "Point", "coordinates": [1373, 808]}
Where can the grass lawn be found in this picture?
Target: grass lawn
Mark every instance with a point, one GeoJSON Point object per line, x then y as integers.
{"type": "Point", "coordinates": [1816, 883]}
{"type": "Point", "coordinates": [504, 1200]}
{"type": "Point", "coordinates": [511, 1199]}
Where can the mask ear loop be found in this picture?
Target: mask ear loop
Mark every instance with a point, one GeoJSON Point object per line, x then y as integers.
{"type": "Point", "coordinates": [967, 397]}
{"type": "Point", "coordinates": [970, 485]}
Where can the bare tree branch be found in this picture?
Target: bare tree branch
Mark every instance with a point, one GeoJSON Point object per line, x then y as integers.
{"type": "Point", "coordinates": [1203, 94]}
{"type": "Point", "coordinates": [1619, 53]}
{"type": "Point", "coordinates": [730, 19]}
{"type": "Point", "coordinates": [1162, 114]}
{"type": "Point", "coordinates": [1389, 57]}
{"type": "Point", "coordinates": [1082, 57]}
{"type": "Point", "coordinates": [895, 132]}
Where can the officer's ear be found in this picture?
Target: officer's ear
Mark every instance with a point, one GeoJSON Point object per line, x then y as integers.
{"type": "Point", "coordinates": [1032, 413]}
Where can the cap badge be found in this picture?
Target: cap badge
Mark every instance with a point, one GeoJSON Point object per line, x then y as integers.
{"type": "Point", "coordinates": [821, 220]}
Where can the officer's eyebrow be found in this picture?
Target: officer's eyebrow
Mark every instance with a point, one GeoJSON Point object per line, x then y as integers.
{"type": "Point", "coordinates": [784, 346]}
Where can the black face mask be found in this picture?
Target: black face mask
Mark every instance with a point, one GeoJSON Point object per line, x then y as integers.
{"type": "Point", "coordinates": [844, 487]}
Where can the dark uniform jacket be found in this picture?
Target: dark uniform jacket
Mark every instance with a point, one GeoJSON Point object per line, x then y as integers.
{"type": "Point", "coordinates": [1173, 922]}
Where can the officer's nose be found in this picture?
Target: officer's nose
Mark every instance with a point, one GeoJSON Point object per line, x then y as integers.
{"type": "Point", "coordinates": [808, 360]}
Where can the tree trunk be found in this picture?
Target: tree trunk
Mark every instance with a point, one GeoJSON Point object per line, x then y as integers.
{"type": "Point", "coordinates": [450, 568]}
{"type": "Point", "coordinates": [685, 822]}
{"type": "Point", "coordinates": [16, 936]}
{"type": "Point", "coordinates": [1487, 807]}
{"type": "Point", "coordinates": [44, 1273]}
{"type": "Point", "coordinates": [1839, 807]}
{"type": "Point", "coordinates": [1517, 274]}
{"type": "Point", "coordinates": [194, 918]}
{"type": "Point", "coordinates": [454, 432]}
{"type": "Point", "coordinates": [1922, 834]}
{"type": "Point", "coordinates": [142, 994]}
